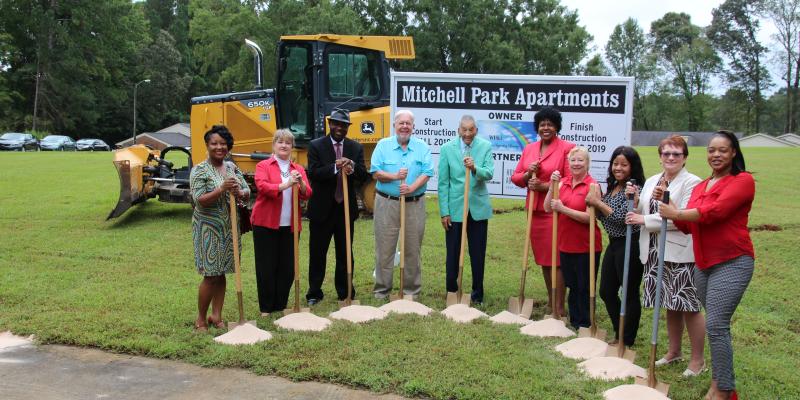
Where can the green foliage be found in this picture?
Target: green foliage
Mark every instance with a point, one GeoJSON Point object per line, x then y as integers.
{"type": "Point", "coordinates": [629, 54]}
{"type": "Point", "coordinates": [595, 67]}
{"type": "Point", "coordinates": [129, 286]}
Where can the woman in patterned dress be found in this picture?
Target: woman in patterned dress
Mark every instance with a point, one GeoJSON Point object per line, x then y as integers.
{"type": "Point", "coordinates": [612, 206]}
{"type": "Point", "coordinates": [210, 183]}
{"type": "Point", "coordinates": [538, 162]}
{"type": "Point", "coordinates": [678, 293]}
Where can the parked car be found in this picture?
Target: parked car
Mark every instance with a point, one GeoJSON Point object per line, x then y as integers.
{"type": "Point", "coordinates": [57, 142]}
{"type": "Point", "coordinates": [92, 145]}
{"type": "Point", "coordinates": [18, 141]}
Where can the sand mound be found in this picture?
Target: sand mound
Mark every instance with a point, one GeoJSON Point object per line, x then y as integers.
{"type": "Point", "coordinates": [463, 313]}
{"type": "Point", "coordinates": [547, 328]}
{"type": "Point", "coordinates": [609, 368]}
{"type": "Point", "coordinates": [407, 307]}
{"type": "Point", "coordinates": [583, 348]}
{"type": "Point", "coordinates": [359, 313]}
{"type": "Point", "coordinates": [506, 317]}
{"type": "Point", "coordinates": [303, 321]}
{"type": "Point", "coordinates": [633, 392]}
{"type": "Point", "coordinates": [8, 340]}
{"type": "Point", "coordinates": [244, 334]}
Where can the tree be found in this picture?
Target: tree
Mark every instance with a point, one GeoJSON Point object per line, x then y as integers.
{"type": "Point", "coordinates": [733, 32]}
{"type": "Point", "coordinates": [690, 60]}
{"type": "Point", "coordinates": [628, 53]}
{"type": "Point", "coordinates": [785, 14]}
{"type": "Point", "coordinates": [595, 67]}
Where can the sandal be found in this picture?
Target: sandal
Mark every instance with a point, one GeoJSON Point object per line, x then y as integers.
{"type": "Point", "coordinates": [220, 324]}
{"type": "Point", "coordinates": [200, 328]}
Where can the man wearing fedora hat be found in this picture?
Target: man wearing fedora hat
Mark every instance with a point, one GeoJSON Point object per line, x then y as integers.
{"type": "Point", "coordinates": [328, 158]}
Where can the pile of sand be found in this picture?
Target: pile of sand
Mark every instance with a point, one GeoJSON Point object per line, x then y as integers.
{"type": "Point", "coordinates": [506, 317]}
{"type": "Point", "coordinates": [358, 313]}
{"type": "Point", "coordinates": [549, 327]}
{"type": "Point", "coordinates": [303, 321]}
{"type": "Point", "coordinates": [610, 368]}
{"type": "Point", "coordinates": [463, 313]}
{"type": "Point", "coordinates": [404, 306]}
{"type": "Point", "coordinates": [244, 334]}
{"type": "Point", "coordinates": [583, 348]}
{"type": "Point", "coordinates": [8, 340]}
{"type": "Point", "coordinates": [633, 392]}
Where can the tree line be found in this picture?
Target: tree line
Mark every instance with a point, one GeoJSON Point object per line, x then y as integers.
{"type": "Point", "coordinates": [70, 66]}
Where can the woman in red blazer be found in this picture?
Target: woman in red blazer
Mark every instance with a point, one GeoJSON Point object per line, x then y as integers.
{"type": "Point", "coordinates": [716, 216]}
{"type": "Point", "coordinates": [272, 215]}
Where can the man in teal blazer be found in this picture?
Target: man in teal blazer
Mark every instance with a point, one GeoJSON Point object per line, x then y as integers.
{"type": "Point", "coordinates": [466, 152]}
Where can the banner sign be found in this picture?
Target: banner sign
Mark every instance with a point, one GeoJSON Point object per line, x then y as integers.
{"type": "Point", "coordinates": [596, 111]}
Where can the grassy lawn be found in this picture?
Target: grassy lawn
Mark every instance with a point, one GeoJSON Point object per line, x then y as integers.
{"type": "Point", "coordinates": [70, 277]}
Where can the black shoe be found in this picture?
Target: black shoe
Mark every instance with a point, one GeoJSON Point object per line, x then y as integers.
{"type": "Point", "coordinates": [311, 302]}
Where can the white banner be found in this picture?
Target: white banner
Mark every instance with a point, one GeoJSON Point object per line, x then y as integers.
{"type": "Point", "coordinates": [597, 114]}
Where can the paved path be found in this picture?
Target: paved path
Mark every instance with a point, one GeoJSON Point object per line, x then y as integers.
{"type": "Point", "coordinates": [66, 373]}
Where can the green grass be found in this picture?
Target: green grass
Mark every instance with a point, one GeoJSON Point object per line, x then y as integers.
{"type": "Point", "coordinates": [70, 277]}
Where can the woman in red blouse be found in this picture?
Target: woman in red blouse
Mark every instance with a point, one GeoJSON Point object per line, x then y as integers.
{"type": "Point", "coordinates": [573, 233]}
{"type": "Point", "coordinates": [716, 216]}
{"type": "Point", "coordinates": [273, 237]}
{"type": "Point", "coordinates": [539, 160]}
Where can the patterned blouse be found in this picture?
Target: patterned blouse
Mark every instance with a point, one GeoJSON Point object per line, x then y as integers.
{"type": "Point", "coordinates": [614, 223]}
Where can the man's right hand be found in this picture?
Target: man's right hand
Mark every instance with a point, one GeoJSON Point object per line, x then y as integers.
{"type": "Point", "coordinates": [402, 174]}
{"type": "Point", "coordinates": [446, 223]}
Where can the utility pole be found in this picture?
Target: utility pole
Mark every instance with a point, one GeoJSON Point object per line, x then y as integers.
{"type": "Point", "coordinates": [136, 86]}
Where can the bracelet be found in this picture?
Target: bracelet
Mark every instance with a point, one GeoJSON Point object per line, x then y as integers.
{"type": "Point", "coordinates": [679, 215]}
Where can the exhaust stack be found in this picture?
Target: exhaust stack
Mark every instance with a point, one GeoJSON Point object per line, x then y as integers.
{"type": "Point", "coordinates": [258, 56]}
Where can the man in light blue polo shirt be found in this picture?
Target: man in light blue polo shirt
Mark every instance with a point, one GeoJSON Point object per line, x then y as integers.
{"type": "Point", "coordinates": [401, 165]}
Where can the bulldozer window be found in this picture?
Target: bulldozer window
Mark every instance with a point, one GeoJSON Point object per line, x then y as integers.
{"type": "Point", "coordinates": [294, 91]}
{"type": "Point", "coordinates": [353, 75]}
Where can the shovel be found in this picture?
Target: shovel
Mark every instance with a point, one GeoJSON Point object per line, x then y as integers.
{"type": "Point", "coordinates": [592, 331]}
{"type": "Point", "coordinates": [235, 234]}
{"type": "Point", "coordinates": [520, 305]}
{"type": "Point", "coordinates": [296, 226]}
{"type": "Point", "coordinates": [651, 380]}
{"type": "Point", "coordinates": [346, 202]}
{"type": "Point", "coordinates": [620, 350]}
{"type": "Point", "coordinates": [399, 295]}
{"type": "Point", "coordinates": [458, 297]}
{"type": "Point", "coordinates": [553, 258]}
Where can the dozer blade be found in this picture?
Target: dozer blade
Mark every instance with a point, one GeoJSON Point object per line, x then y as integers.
{"type": "Point", "coordinates": [127, 197]}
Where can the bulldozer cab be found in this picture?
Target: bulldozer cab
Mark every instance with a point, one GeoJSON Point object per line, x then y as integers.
{"type": "Point", "coordinates": [319, 73]}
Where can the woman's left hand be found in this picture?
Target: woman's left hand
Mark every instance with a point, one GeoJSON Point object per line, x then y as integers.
{"type": "Point", "coordinates": [668, 211]}
{"type": "Point", "coordinates": [592, 197]}
{"type": "Point", "coordinates": [556, 205]}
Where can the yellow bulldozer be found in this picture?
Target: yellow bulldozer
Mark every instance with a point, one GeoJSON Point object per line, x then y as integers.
{"type": "Point", "coordinates": [315, 75]}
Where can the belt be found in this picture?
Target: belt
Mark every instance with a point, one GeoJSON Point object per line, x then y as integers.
{"type": "Point", "coordinates": [412, 198]}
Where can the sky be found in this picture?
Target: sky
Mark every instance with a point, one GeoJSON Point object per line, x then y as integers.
{"type": "Point", "coordinates": [599, 17]}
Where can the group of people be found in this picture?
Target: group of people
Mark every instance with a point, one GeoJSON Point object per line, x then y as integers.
{"type": "Point", "coordinates": [709, 256]}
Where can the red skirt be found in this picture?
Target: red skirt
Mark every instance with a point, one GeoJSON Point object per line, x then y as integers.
{"type": "Point", "coordinates": [542, 238]}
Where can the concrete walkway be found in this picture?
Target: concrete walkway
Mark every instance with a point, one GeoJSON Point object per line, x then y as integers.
{"type": "Point", "coordinates": [65, 373]}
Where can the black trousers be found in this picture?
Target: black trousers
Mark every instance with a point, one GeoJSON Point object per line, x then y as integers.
{"type": "Point", "coordinates": [476, 242]}
{"type": "Point", "coordinates": [575, 268]}
{"type": "Point", "coordinates": [320, 233]}
{"type": "Point", "coordinates": [274, 254]}
{"type": "Point", "coordinates": [611, 282]}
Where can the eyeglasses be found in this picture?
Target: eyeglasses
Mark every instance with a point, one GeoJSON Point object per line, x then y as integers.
{"type": "Point", "coordinates": [668, 154]}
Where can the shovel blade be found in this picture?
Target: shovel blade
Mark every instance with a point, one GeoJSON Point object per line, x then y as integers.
{"type": "Point", "coordinates": [614, 351]}
{"type": "Point", "coordinates": [452, 298]}
{"type": "Point", "coordinates": [343, 303]}
{"type": "Point", "coordinates": [514, 305]}
{"type": "Point", "coordinates": [296, 310]}
{"type": "Point", "coordinates": [232, 324]}
{"type": "Point", "coordinates": [466, 299]}
{"type": "Point", "coordinates": [597, 334]}
{"type": "Point", "coordinates": [523, 307]}
{"type": "Point", "coordinates": [393, 297]}
{"type": "Point", "coordinates": [660, 386]}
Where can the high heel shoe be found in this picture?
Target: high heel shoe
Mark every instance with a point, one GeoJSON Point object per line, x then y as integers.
{"type": "Point", "coordinates": [664, 361]}
{"type": "Point", "coordinates": [688, 373]}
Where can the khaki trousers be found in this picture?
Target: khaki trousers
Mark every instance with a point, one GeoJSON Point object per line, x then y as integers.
{"type": "Point", "coordinates": [387, 232]}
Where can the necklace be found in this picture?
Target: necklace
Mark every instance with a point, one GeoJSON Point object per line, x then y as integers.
{"type": "Point", "coordinates": [285, 174]}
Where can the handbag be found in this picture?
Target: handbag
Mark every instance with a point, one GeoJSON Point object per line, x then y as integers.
{"type": "Point", "coordinates": [244, 218]}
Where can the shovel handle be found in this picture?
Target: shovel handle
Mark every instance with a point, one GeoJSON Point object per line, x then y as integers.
{"type": "Point", "coordinates": [402, 241]}
{"type": "Point", "coordinates": [236, 262]}
{"type": "Point", "coordinates": [296, 232]}
{"type": "Point", "coordinates": [347, 239]}
{"type": "Point", "coordinates": [464, 217]}
{"type": "Point", "coordinates": [554, 244]}
{"type": "Point", "coordinates": [527, 246]}
{"type": "Point", "coordinates": [592, 247]}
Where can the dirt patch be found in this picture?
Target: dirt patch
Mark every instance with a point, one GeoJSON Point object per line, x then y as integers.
{"type": "Point", "coordinates": [508, 210]}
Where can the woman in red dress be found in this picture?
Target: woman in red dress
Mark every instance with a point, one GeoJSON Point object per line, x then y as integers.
{"type": "Point", "coordinates": [539, 160]}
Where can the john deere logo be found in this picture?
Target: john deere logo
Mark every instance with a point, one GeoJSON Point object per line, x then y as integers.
{"type": "Point", "coordinates": [368, 128]}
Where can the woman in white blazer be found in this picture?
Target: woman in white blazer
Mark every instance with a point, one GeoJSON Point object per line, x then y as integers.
{"type": "Point", "coordinates": [678, 294]}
